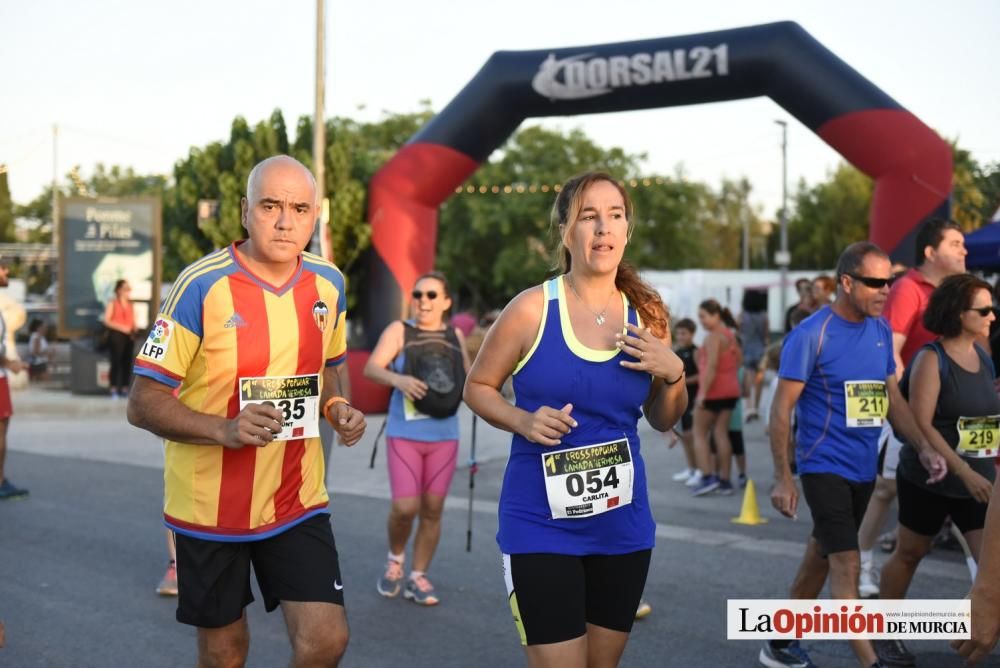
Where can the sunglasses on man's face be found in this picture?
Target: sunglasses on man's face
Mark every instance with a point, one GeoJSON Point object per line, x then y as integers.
{"type": "Point", "coordinates": [874, 283]}
{"type": "Point", "coordinates": [431, 294]}
{"type": "Point", "coordinates": [983, 311]}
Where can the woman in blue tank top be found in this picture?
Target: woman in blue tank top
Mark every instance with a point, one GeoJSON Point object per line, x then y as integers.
{"type": "Point", "coordinates": [590, 353]}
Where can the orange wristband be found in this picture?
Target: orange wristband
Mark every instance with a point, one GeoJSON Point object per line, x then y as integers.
{"type": "Point", "coordinates": [330, 402]}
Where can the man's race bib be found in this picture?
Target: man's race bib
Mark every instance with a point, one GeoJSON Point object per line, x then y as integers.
{"type": "Point", "coordinates": [297, 397]}
{"type": "Point", "coordinates": [867, 403]}
{"type": "Point", "coordinates": [589, 480]}
{"type": "Point", "coordinates": [979, 436]}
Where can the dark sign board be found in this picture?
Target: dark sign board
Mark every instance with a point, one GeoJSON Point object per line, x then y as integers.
{"type": "Point", "coordinates": [101, 241]}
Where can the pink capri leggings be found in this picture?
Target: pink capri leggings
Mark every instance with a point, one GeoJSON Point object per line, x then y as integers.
{"type": "Point", "coordinates": [420, 467]}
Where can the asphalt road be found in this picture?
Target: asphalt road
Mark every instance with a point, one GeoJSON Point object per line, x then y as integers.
{"type": "Point", "coordinates": [80, 558]}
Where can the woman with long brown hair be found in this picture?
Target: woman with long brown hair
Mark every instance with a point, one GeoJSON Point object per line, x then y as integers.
{"type": "Point", "coordinates": [589, 352]}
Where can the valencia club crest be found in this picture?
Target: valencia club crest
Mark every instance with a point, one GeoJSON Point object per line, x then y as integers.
{"type": "Point", "coordinates": [321, 315]}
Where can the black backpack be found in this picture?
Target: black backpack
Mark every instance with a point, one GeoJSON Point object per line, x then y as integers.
{"type": "Point", "coordinates": [436, 359]}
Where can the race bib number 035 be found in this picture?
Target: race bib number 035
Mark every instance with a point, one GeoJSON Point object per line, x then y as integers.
{"type": "Point", "coordinates": [590, 480]}
{"type": "Point", "coordinates": [866, 402]}
{"type": "Point", "coordinates": [979, 436]}
{"type": "Point", "coordinates": [297, 397]}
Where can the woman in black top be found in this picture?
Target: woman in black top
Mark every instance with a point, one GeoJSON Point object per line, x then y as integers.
{"type": "Point", "coordinates": [951, 392]}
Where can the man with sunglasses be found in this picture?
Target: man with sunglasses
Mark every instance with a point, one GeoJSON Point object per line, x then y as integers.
{"type": "Point", "coordinates": [940, 253]}
{"type": "Point", "coordinates": [838, 372]}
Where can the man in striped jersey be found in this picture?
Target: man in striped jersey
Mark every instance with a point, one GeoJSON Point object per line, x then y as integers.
{"type": "Point", "coordinates": [252, 335]}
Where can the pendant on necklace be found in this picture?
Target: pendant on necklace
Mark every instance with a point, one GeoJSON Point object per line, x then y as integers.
{"type": "Point", "coordinates": [600, 318]}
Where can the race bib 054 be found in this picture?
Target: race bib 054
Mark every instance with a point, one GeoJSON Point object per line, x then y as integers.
{"type": "Point", "coordinates": [589, 480]}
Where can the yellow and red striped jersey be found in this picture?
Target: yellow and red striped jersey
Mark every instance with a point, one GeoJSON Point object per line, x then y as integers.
{"type": "Point", "coordinates": [219, 324]}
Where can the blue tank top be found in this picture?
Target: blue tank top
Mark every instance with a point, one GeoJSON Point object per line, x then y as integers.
{"type": "Point", "coordinates": [423, 428]}
{"type": "Point", "coordinates": [607, 401]}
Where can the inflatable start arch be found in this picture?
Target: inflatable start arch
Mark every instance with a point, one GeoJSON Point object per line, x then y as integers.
{"type": "Point", "coordinates": [910, 164]}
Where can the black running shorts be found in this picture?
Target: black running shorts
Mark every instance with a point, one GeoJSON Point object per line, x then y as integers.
{"type": "Point", "coordinates": [718, 405]}
{"type": "Point", "coordinates": [213, 577]}
{"type": "Point", "coordinates": [554, 596]}
{"type": "Point", "coordinates": [838, 505]}
{"type": "Point", "coordinates": [923, 512]}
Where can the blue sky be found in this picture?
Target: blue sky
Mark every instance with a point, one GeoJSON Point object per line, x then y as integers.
{"type": "Point", "coordinates": [138, 83]}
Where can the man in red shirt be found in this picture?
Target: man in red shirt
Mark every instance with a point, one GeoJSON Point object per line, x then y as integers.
{"type": "Point", "coordinates": [940, 252]}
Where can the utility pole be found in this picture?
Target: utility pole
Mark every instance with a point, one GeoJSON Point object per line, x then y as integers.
{"type": "Point", "coordinates": [319, 136]}
{"type": "Point", "coordinates": [746, 240]}
{"type": "Point", "coordinates": [783, 259]}
{"type": "Point", "coordinates": [55, 187]}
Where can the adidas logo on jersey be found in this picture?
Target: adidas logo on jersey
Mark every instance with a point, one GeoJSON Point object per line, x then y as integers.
{"type": "Point", "coordinates": [236, 320]}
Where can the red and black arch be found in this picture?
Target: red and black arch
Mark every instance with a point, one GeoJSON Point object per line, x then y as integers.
{"type": "Point", "coordinates": [910, 163]}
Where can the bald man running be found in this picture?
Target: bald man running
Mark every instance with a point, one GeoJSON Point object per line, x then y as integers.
{"type": "Point", "coordinates": [253, 335]}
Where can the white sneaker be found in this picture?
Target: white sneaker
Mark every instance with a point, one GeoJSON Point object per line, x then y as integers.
{"type": "Point", "coordinates": [694, 479]}
{"type": "Point", "coordinates": [681, 476]}
{"type": "Point", "coordinates": [868, 581]}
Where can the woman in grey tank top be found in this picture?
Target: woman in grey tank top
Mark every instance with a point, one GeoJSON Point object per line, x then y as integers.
{"type": "Point", "coordinates": [953, 397]}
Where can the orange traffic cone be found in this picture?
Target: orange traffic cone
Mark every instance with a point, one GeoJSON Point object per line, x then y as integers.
{"type": "Point", "coordinates": [749, 514]}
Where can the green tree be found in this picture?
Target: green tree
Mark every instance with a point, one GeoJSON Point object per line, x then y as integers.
{"type": "Point", "coordinates": [672, 218]}
{"type": "Point", "coordinates": [828, 216]}
{"type": "Point", "coordinates": [346, 190]}
{"type": "Point", "coordinates": [6, 208]}
{"type": "Point", "coordinates": [38, 214]}
{"type": "Point", "coordinates": [219, 171]}
{"type": "Point", "coordinates": [988, 183]}
{"type": "Point", "coordinates": [355, 151]}
{"type": "Point", "coordinates": [118, 181]}
{"type": "Point", "coordinates": [493, 245]}
{"type": "Point", "coordinates": [967, 201]}
{"type": "Point", "coordinates": [722, 234]}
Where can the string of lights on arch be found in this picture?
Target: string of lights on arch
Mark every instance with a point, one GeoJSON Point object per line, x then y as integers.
{"type": "Point", "coordinates": [523, 188]}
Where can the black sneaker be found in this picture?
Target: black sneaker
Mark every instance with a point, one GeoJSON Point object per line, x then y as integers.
{"type": "Point", "coordinates": [9, 490]}
{"type": "Point", "coordinates": [893, 652]}
{"type": "Point", "coordinates": [792, 656]}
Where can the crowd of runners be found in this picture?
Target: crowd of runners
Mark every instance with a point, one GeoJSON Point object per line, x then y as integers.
{"type": "Point", "coordinates": [882, 387]}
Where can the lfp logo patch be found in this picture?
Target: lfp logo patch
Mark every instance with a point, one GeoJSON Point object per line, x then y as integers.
{"type": "Point", "coordinates": [156, 346]}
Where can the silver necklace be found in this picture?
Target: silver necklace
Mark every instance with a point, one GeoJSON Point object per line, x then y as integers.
{"type": "Point", "coordinates": [599, 317]}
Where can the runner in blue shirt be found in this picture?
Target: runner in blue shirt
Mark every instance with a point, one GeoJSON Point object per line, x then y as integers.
{"type": "Point", "coordinates": [838, 372]}
{"type": "Point", "coordinates": [590, 353]}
